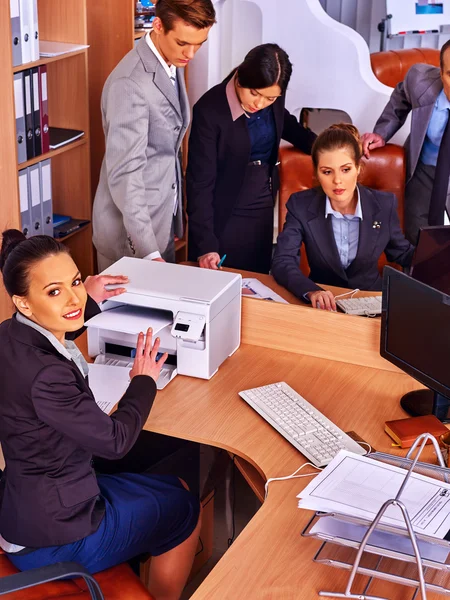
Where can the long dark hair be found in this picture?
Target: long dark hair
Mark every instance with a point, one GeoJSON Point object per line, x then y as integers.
{"type": "Point", "coordinates": [263, 67]}
{"type": "Point", "coordinates": [18, 254]}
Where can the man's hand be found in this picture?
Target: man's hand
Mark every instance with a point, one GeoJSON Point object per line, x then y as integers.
{"type": "Point", "coordinates": [322, 299]}
{"type": "Point", "coordinates": [370, 141]}
{"type": "Point", "coordinates": [209, 261]}
{"type": "Point", "coordinates": [159, 259]}
{"type": "Point", "coordinates": [95, 286]}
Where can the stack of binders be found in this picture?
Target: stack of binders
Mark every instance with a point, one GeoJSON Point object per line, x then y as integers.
{"type": "Point", "coordinates": [35, 193]}
{"type": "Point", "coordinates": [31, 103]}
{"type": "Point", "coordinates": [25, 31]}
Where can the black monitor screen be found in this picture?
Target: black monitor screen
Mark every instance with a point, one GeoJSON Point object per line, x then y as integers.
{"type": "Point", "coordinates": [416, 330]}
{"type": "Point", "coordinates": [431, 262]}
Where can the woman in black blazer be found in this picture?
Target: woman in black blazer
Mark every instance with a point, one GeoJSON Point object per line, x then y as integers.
{"type": "Point", "coordinates": [53, 506]}
{"type": "Point", "coordinates": [345, 226]}
{"type": "Point", "coordinates": [232, 178]}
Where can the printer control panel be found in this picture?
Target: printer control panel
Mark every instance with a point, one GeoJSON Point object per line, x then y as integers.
{"type": "Point", "coordinates": [188, 326]}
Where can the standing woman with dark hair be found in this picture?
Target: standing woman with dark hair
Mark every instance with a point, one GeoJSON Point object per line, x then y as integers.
{"type": "Point", "coordinates": [53, 506]}
{"type": "Point", "coordinates": [232, 179]}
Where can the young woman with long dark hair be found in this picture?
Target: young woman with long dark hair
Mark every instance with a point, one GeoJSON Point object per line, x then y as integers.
{"type": "Point", "coordinates": [232, 178]}
{"type": "Point", "coordinates": [54, 507]}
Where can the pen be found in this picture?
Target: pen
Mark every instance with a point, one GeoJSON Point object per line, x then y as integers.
{"type": "Point", "coordinates": [221, 261]}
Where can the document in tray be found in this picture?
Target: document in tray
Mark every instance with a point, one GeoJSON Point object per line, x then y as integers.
{"type": "Point", "coordinates": [358, 486]}
{"type": "Point", "coordinates": [252, 288]}
{"type": "Point", "coordinates": [334, 529]}
{"type": "Point", "coordinates": [131, 319]}
{"type": "Point", "coordinates": [108, 384]}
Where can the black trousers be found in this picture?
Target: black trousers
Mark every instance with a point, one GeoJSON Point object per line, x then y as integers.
{"type": "Point", "coordinates": [247, 236]}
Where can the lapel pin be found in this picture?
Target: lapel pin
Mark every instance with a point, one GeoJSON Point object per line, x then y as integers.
{"type": "Point", "coordinates": [376, 224]}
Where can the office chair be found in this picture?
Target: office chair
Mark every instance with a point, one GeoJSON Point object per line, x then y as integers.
{"type": "Point", "coordinates": [391, 66]}
{"type": "Point", "coordinates": [69, 581]}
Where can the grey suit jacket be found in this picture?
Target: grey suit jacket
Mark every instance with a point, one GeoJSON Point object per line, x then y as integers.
{"type": "Point", "coordinates": [416, 93]}
{"type": "Point", "coordinates": [144, 120]}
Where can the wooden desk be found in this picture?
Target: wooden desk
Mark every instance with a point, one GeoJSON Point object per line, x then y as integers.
{"type": "Point", "coordinates": [354, 387]}
{"type": "Point", "coordinates": [333, 360]}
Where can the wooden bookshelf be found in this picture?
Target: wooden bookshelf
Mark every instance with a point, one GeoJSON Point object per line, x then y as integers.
{"type": "Point", "coordinates": [111, 34]}
{"type": "Point", "coordinates": [68, 106]}
{"type": "Point", "coordinates": [52, 153]}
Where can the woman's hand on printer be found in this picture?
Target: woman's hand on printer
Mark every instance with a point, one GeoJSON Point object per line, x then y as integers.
{"type": "Point", "coordinates": [145, 362]}
{"type": "Point", "coordinates": [95, 286]}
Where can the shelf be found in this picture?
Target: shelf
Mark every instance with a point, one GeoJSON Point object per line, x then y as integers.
{"type": "Point", "coordinates": [79, 230]}
{"type": "Point", "coordinates": [138, 33]}
{"type": "Point", "coordinates": [46, 61]}
{"type": "Point", "coordinates": [80, 142]}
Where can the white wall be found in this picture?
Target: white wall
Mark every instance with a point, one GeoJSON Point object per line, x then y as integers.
{"type": "Point", "coordinates": [331, 61]}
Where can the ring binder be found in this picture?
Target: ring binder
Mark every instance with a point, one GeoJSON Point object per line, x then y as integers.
{"type": "Point", "coordinates": [369, 559]}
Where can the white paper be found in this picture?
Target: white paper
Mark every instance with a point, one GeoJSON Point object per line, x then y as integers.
{"type": "Point", "coordinates": [358, 486]}
{"type": "Point", "coordinates": [48, 49]}
{"type": "Point", "coordinates": [108, 384]}
{"type": "Point", "coordinates": [253, 288]}
{"type": "Point", "coordinates": [330, 527]}
{"type": "Point", "coordinates": [131, 319]}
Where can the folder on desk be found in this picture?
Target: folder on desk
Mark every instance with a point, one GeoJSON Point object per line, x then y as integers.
{"type": "Point", "coordinates": [34, 30]}
{"type": "Point", "coordinates": [46, 196]}
{"type": "Point", "coordinates": [20, 118]}
{"type": "Point", "coordinates": [15, 33]}
{"type": "Point", "coordinates": [35, 109]}
{"type": "Point", "coordinates": [34, 199]}
{"type": "Point", "coordinates": [25, 220]}
{"type": "Point", "coordinates": [28, 114]}
{"type": "Point", "coordinates": [43, 107]}
{"type": "Point", "coordinates": [25, 19]}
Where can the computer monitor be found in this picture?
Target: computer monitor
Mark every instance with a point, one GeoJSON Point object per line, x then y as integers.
{"type": "Point", "coordinates": [415, 326]}
{"type": "Point", "coordinates": [431, 260]}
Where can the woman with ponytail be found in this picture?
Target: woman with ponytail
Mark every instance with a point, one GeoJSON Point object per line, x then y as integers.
{"type": "Point", "coordinates": [53, 505]}
{"type": "Point", "coordinates": [232, 175]}
{"type": "Point", "coordinates": [345, 226]}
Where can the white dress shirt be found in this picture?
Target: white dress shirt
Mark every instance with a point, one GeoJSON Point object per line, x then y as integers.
{"type": "Point", "coordinates": [172, 74]}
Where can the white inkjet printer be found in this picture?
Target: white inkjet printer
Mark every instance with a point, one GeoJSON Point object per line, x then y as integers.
{"type": "Point", "coordinates": [195, 312]}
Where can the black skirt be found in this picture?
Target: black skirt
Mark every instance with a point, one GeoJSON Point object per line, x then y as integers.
{"type": "Point", "coordinates": [247, 236]}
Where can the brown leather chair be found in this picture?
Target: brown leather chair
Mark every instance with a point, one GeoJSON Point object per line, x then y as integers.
{"type": "Point", "coordinates": [385, 171]}
{"type": "Point", "coordinates": [117, 583]}
{"type": "Point", "coordinates": [391, 66]}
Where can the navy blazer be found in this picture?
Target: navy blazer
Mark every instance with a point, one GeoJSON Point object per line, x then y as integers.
{"type": "Point", "coordinates": [379, 231]}
{"type": "Point", "coordinates": [219, 152]}
{"type": "Point", "coordinates": [50, 426]}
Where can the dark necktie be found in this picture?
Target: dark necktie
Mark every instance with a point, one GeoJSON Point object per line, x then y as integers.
{"type": "Point", "coordinates": [441, 177]}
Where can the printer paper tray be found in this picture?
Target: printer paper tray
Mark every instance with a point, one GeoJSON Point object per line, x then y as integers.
{"type": "Point", "coordinates": [131, 319]}
{"type": "Point", "coordinates": [168, 372]}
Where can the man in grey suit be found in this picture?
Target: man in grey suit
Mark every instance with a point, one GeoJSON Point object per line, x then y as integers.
{"type": "Point", "coordinates": [138, 204]}
{"type": "Point", "coordinates": [426, 92]}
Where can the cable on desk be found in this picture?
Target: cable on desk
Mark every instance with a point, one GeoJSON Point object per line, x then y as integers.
{"type": "Point", "coordinates": [360, 442]}
{"type": "Point", "coordinates": [352, 292]}
{"type": "Point", "coordinates": [293, 476]}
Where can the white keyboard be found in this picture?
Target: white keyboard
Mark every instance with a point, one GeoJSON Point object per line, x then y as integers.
{"type": "Point", "coordinates": [300, 423]}
{"type": "Point", "coordinates": [367, 306]}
